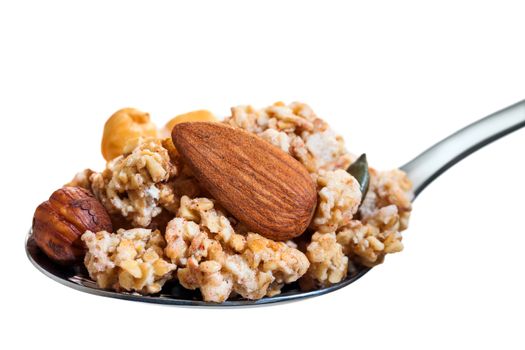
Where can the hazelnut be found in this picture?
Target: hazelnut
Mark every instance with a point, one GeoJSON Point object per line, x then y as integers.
{"type": "Point", "coordinates": [124, 126]}
{"type": "Point", "coordinates": [59, 222]}
{"type": "Point", "coordinates": [195, 116]}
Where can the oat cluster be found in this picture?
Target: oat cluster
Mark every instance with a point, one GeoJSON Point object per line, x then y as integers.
{"type": "Point", "coordinates": [297, 130]}
{"type": "Point", "coordinates": [218, 261]}
{"type": "Point", "coordinates": [342, 235]}
{"type": "Point", "coordinates": [130, 260]}
{"type": "Point", "coordinates": [202, 247]}
{"type": "Point", "coordinates": [384, 215]}
{"type": "Point", "coordinates": [140, 185]}
{"type": "Point", "coordinates": [339, 197]}
{"type": "Point", "coordinates": [135, 184]}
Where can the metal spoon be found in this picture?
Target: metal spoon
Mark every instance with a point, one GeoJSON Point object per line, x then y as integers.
{"type": "Point", "coordinates": [422, 170]}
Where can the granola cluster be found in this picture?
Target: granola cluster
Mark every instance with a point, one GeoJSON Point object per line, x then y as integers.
{"type": "Point", "coordinates": [328, 262]}
{"type": "Point", "coordinates": [131, 260]}
{"type": "Point", "coordinates": [389, 188]}
{"type": "Point", "coordinates": [384, 214]}
{"type": "Point", "coordinates": [366, 238]}
{"type": "Point", "coordinates": [135, 184]}
{"type": "Point", "coordinates": [205, 249]}
{"type": "Point", "coordinates": [339, 197]}
{"type": "Point", "coordinates": [297, 130]}
{"type": "Point", "coordinates": [215, 259]}
{"type": "Point", "coordinates": [368, 241]}
{"type": "Point", "coordinates": [139, 185]}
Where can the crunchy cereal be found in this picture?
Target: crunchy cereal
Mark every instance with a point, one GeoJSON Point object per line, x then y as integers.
{"type": "Point", "coordinates": [136, 184]}
{"type": "Point", "coordinates": [215, 259]}
{"type": "Point", "coordinates": [384, 214]}
{"type": "Point", "coordinates": [82, 179]}
{"type": "Point", "coordinates": [131, 260]}
{"type": "Point", "coordinates": [367, 242]}
{"type": "Point", "coordinates": [297, 130]}
{"type": "Point", "coordinates": [150, 187]}
{"type": "Point", "coordinates": [328, 264]}
{"type": "Point", "coordinates": [391, 187]}
{"type": "Point", "coordinates": [339, 197]}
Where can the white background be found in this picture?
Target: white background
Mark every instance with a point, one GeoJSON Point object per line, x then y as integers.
{"type": "Point", "coordinates": [392, 77]}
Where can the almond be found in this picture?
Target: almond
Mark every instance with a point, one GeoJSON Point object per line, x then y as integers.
{"type": "Point", "coordinates": [258, 183]}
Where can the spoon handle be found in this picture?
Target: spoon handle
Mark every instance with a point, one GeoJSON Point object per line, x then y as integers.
{"type": "Point", "coordinates": [433, 162]}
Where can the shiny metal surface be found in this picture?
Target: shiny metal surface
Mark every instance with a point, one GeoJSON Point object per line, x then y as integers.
{"type": "Point", "coordinates": [433, 162]}
{"type": "Point", "coordinates": [172, 293]}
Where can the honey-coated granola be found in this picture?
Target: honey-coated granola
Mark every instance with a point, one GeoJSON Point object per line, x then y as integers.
{"type": "Point", "coordinates": [130, 260]}
{"type": "Point", "coordinates": [384, 214]}
{"type": "Point", "coordinates": [339, 197]}
{"type": "Point", "coordinates": [204, 248]}
{"type": "Point", "coordinates": [328, 262]}
{"type": "Point", "coordinates": [296, 129]}
{"type": "Point", "coordinates": [137, 185]}
{"type": "Point", "coordinates": [218, 261]}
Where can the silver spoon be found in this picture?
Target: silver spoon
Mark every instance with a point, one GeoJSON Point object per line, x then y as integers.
{"type": "Point", "coordinates": [422, 170]}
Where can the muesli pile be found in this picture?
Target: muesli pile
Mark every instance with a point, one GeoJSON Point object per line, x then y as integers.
{"type": "Point", "coordinates": [166, 226]}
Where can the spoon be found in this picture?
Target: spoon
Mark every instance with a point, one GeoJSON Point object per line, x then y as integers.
{"type": "Point", "coordinates": [422, 170]}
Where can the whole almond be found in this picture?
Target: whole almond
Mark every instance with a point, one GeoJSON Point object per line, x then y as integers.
{"type": "Point", "coordinates": [258, 183]}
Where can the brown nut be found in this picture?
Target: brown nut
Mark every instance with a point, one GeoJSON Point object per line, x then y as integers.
{"type": "Point", "coordinates": [59, 222]}
{"type": "Point", "coordinates": [259, 184]}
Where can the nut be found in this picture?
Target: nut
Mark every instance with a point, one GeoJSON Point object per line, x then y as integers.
{"type": "Point", "coordinates": [195, 116]}
{"type": "Point", "coordinates": [259, 184]}
{"type": "Point", "coordinates": [123, 127]}
{"type": "Point", "coordinates": [59, 222]}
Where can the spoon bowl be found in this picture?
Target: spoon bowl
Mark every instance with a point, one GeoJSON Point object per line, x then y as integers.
{"type": "Point", "coordinates": [172, 293]}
